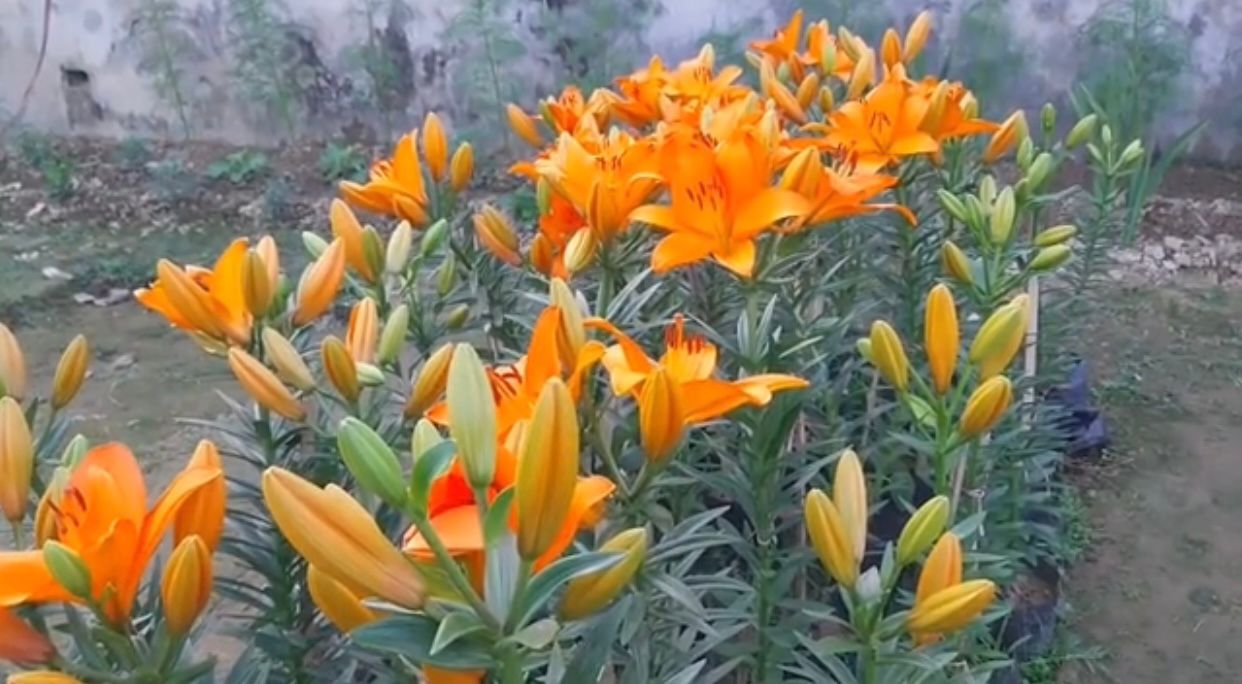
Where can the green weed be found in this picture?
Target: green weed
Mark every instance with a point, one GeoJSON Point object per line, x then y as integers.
{"type": "Point", "coordinates": [340, 161]}
{"type": "Point", "coordinates": [240, 167]}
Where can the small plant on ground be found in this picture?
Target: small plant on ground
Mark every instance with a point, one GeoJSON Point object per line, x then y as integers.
{"type": "Point", "coordinates": [34, 148]}
{"type": "Point", "coordinates": [278, 200]}
{"type": "Point", "coordinates": [239, 167]}
{"type": "Point", "coordinates": [133, 154]}
{"type": "Point", "coordinates": [171, 180]}
{"type": "Point", "coordinates": [58, 176]}
{"type": "Point", "coordinates": [342, 161]}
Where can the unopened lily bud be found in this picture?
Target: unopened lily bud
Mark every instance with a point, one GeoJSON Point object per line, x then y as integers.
{"type": "Point", "coordinates": [922, 529]}
{"type": "Point", "coordinates": [1039, 171]}
{"type": "Point", "coordinates": [850, 43]}
{"type": "Point", "coordinates": [976, 212]}
{"type": "Point", "coordinates": [257, 286]}
{"type": "Point", "coordinates": [829, 538]}
{"type": "Point", "coordinates": [433, 238]}
{"type": "Point", "coordinates": [849, 493]}
{"type": "Point", "coordinates": [1132, 153]}
{"type": "Point", "coordinates": [461, 169]}
{"type": "Point", "coordinates": [986, 406]}
{"type": "Point", "coordinates": [951, 609]}
{"type": "Point", "coordinates": [70, 372]}
{"type": "Point", "coordinates": [363, 331]}
{"type": "Point", "coordinates": [314, 244]}
{"type": "Point", "coordinates": [862, 76]}
{"type": "Point", "coordinates": [457, 316]}
{"type": "Point", "coordinates": [186, 585]}
{"type": "Point", "coordinates": [937, 105]}
{"type": "Point", "coordinates": [523, 126]}
{"type": "Point", "coordinates": [889, 356]}
{"type": "Point", "coordinates": [1055, 235]}
{"type": "Point", "coordinates": [435, 146]}
{"type": "Point", "coordinates": [1049, 258]}
{"type": "Point", "coordinates": [808, 89]}
{"type": "Point", "coordinates": [941, 337]}
{"type": "Point", "coordinates": [430, 382]}
{"type": "Point", "coordinates": [579, 251]}
{"type": "Point", "coordinates": [572, 331]}
{"type": "Point", "coordinates": [952, 205]}
{"type": "Point", "coordinates": [42, 677]}
{"type": "Point", "coordinates": [828, 58]}
{"type": "Point", "coordinates": [372, 251]}
{"type": "Point", "coordinates": [826, 100]}
{"type": "Point", "coordinates": [343, 608]}
{"type": "Point", "coordinates": [916, 36]}
{"type": "Point", "coordinates": [67, 568]}
{"type": "Point", "coordinates": [590, 593]}
{"type": "Point", "coordinates": [263, 386]}
{"type": "Point", "coordinates": [1106, 136]}
{"type": "Point", "coordinates": [782, 72]}
{"type": "Point", "coordinates": [472, 416]}
{"type": "Point", "coordinates": [1012, 132]}
{"type": "Point", "coordinates": [543, 196]}
{"type": "Point", "coordinates": [285, 358]}
{"type": "Point", "coordinates": [392, 339]}
{"type": "Point", "coordinates": [955, 264]}
{"type": "Point", "coordinates": [987, 190]}
{"type": "Point", "coordinates": [863, 345]}
{"type": "Point", "coordinates": [12, 365]}
{"type": "Point", "coordinates": [339, 366]}
{"type": "Point", "coordinates": [446, 276]}
{"type": "Point", "coordinates": [970, 106]}
{"type": "Point", "coordinates": [774, 87]}
{"type": "Point", "coordinates": [1082, 131]}
{"type": "Point", "coordinates": [547, 471]}
{"type": "Point", "coordinates": [542, 255]}
{"type": "Point", "coordinates": [16, 460]}
{"type": "Point", "coordinates": [1000, 337]}
{"type": "Point", "coordinates": [1026, 154]}
{"type": "Point", "coordinates": [661, 416]}
{"type": "Point", "coordinates": [320, 283]}
{"type": "Point", "coordinates": [371, 461]}
{"type": "Point", "coordinates": [369, 375]}
{"type": "Point", "coordinates": [868, 586]}
{"type": "Point", "coordinates": [1004, 212]}
{"type": "Point", "coordinates": [425, 438]}
{"type": "Point", "coordinates": [400, 244]}
{"type": "Point", "coordinates": [75, 451]}
{"type": "Point", "coordinates": [890, 48]}
{"type": "Point", "coordinates": [496, 235]}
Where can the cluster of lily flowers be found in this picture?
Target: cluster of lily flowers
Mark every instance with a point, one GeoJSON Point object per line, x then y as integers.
{"type": "Point", "coordinates": [689, 151]}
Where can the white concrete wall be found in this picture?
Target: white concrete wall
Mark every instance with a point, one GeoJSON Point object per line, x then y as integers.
{"type": "Point", "coordinates": [103, 40]}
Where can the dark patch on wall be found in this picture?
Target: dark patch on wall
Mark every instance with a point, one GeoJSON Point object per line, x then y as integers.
{"type": "Point", "coordinates": [80, 105]}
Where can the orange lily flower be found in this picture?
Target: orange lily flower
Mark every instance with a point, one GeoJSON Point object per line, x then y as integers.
{"type": "Point", "coordinates": [820, 42]}
{"type": "Point", "coordinates": [20, 643]}
{"type": "Point", "coordinates": [689, 361]}
{"type": "Point", "coordinates": [570, 109]}
{"type": "Point", "coordinates": [695, 84]}
{"type": "Point", "coordinates": [396, 186]}
{"type": "Point", "coordinates": [782, 48]}
{"type": "Point", "coordinates": [835, 194]}
{"type": "Point", "coordinates": [947, 116]}
{"type": "Point", "coordinates": [722, 200]}
{"type": "Point", "coordinates": [102, 516]}
{"type": "Point", "coordinates": [639, 102]}
{"type": "Point", "coordinates": [606, 184]}
{"type": "Point", "coordinates": [881, 128]}
{"type": "Point", "coordinates": [205, 303]}
{"type": "Point", "coordinates": [560, 223]}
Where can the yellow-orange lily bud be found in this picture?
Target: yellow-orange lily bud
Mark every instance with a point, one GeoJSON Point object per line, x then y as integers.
{"type": "Point", "coordinates": [1012, 132]}
{"type": "Point", "coordinates": [937, 105]}
{"type": "Point", "coordinates": [916, 36]}
{"type": "Point", "coordinates": [45, 522]}
{"type": "Point", "coordinates": [588, 594]}
{"type": "Point", "coordinates": [461, 169]}
{"type": "Point", "coordinates": [571, 335]}
{"type": "Point", "coordinates": [830, 539]}
{"type": "Point", "coordinates": [435, 146]}
{"type": "Point", "coordinates": [941, 337]}
{"type": "Point", "coordinates": [1050, 237]}
{"type": "Point", "coordinates": [923, 528]}
{"type": "Point", "coordinates": [186, 584]}
{"type": "Point", "coordinates": [190, 300]}
{"type": "Point", "coordinates": [70, 372]}
{"type": "Point", "coordinates": [955, 263]}
{"type": "Point", "coordinates": [1000, 337]}
{"type": "Point", "coordinates": [542, 254]}
{"type": "Point", "coordinates": [343, 608]}
{"type": "Point", "coordinates": [42, 677]}
{"type": "Point", "coordinates": [202, 515]}
{"type": "Point", "coordinates": [547, 470]}
{"type": "Point", "coordinates": [827, 102]}
{"type": "Point", "coordinates": [472, 415]}
{"type": "Point", "coordinates": [862, 76]}
{"type": "Point", "coordinates": [340, 367]}
{"type": "Point", "coordinates": [336, 534]}
{"type": "Point", "coordinates": [942, 569]}
{"type": "Point", "coordinates": [320, 282]}
{"type": "Point", "coordinates": [257, 286]}
{"type": "Point", "coordinates": [1049, 258]}
{"type": "Point", "coordinates": [986, 406]}
{"type": "Point", "coordinates": [16, 460]}
{"type": "Point", "coordinates": [439, 675]}
{"type": "Point", "coordinates": [889, 356]}
{"type": "Point", "coordinates": [266, 248]}
{"type": "Point", "coordinates": [287, 361]}
{"type": "Point", "coordinates": [496, 235]}
{"type": "Point", "coordinates": [580, 250]}
{"type": "Point", "coordinates": [951, 609]}
{"type": "Point", "coordinates": [523, 126]}
{"type": "Point", "coordinates": [21, 643]}
{"type": "Point", "coordinates": [392, 336]}
{"type": "Point", "coordinates": [363, 332]}
{"type": "Point", "coordinates": [430, 382]}
{"type": "Point", "coordinates": [798, 174]}
{"type": "Point", "coordinates": [347, 229]}
{"type": "Point", "coordinates": [808, 90]}
{"type": "Point", "coordinates": [775, 89]}
{"type": "Point", "coordinates": [661, 416]}
{"type": "Point", "coordinates": [12, 365]}
{"type": "Point", "coordinates": [849, 493]}
{"type": "Point", "coordinates": [890, 48]}
{"type": "Point", "coordinates": [263, 386]}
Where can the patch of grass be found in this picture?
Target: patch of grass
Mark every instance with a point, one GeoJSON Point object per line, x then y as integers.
{"type": "Point", "coordinates": [342, 162]}
{"type": "Point", "coordinates": [121, 271]}
{"type": "Point", "coordinates": [240, 167]}
{"type": "Point", "coordinates": [58, 177]}
{"type": "Point", "coordinates": [1067, 650]}
{"type": "Point", "coordinates": [1077, 525]}
{"type": "Point", "coordinates": [34, 148]}
{"type": "Point", "coordinates": [171, 180]}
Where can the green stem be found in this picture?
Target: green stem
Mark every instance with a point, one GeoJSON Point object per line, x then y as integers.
{"type": "Point", "coordinates": [511, 667]}
{"type": "Point", "coordinates": [458, 578]}
{"type": "Point", "coordinates": [524, 573]}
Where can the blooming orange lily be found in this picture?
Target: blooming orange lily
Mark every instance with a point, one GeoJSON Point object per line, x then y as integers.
{"type": "Point", "coordinates": [570, 109]}
{"type": "Point", "coordinates": [396, 186]}
{"type": "Point", "coordinates": [947, 116]}
{"type": "Point", "coordinates": [721, 200]}
{"type": "Point", "coordinates": [882, 127]}
{"type": "Point", "coordinates": [639, 101]}
{"type": "Point", "coordinates": [690, 362]}
{"type": "Point", "coordinates": [102, 516]}
{"type": "Point", "coordinates": [782, 48]}
{"type": "Point", "coordinates": [606, 184]}
{"type": "Point", "coordinates": [836, 194]}
{"type": "Point", "coordinates": [210, 305]}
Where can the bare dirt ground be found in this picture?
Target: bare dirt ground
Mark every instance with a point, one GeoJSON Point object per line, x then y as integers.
{"type": "Point", "coordinates": [1159, 588]}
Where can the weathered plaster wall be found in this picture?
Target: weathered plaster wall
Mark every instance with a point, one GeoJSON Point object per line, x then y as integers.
{"type": "Point", "coordinates": [96, 81]}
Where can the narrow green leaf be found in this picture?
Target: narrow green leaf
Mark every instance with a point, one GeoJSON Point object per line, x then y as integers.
{"type": "Point", "coordinates": [411, 636]}
{"type": "Point", "coordinates": [592, 652]}
{"type": "Point", "coordinates": [556, 575]}
{"type": "Point", "coordinates": [454, 626]}
{"type": "Point", "coordinates": [428, 467]}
